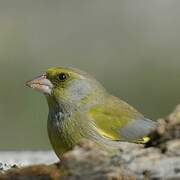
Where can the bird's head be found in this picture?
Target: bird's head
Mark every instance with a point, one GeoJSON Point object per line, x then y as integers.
{"type": "Point", "coordinates": [66, 84]}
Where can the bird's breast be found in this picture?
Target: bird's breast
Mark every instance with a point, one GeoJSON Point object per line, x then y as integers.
{"type": "Point", "coordinates": [64, 131]}
{"type": "Point", "coordinates": [57, 132]}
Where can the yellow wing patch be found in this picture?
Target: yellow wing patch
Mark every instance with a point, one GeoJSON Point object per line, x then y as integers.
{"type": "Point", "coordinates": [103, 133]}
{"type": "Point", "coordinates": [144, 140]}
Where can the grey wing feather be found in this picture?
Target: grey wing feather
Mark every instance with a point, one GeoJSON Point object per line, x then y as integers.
{"type": "Point", "coordinates": [137, 129]}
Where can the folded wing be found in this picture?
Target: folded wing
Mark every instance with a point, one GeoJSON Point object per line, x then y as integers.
{"type": "Point", "coordinates": [118, 121]}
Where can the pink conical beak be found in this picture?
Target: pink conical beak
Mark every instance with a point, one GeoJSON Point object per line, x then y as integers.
{"type": "Point", "coordinates": [41, 83]}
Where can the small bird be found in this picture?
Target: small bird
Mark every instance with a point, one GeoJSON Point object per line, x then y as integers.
{"type": "Point", "coordinates": [81, 108]}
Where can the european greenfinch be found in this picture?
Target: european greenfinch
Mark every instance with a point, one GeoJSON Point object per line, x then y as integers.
{"type": "Point", "coordinates": [81, 108]}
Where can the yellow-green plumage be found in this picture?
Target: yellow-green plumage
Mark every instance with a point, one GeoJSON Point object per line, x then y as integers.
{"type": "Point", "coordinates": [80, 108]}
{"type": "Point", "coordinates": [114, 115]}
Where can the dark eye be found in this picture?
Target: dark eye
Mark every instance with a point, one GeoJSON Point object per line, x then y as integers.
{"type": "Point", "coordinates": [63, 76]}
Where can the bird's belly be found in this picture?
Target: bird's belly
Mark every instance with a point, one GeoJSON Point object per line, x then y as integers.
{"type": "Point", "coordinates": [60, 142]}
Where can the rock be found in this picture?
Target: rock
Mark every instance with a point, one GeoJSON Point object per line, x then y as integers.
{"type": "Point", "coordinates": [39, 172]}
{"type": "Point", "coordinates": [173, 148]}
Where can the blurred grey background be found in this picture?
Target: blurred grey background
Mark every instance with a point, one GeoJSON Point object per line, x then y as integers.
{"type": "Point", "coordinates": [132, 47]}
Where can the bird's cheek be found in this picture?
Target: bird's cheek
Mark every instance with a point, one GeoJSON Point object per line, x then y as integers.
{"type": "Point", "coordinates": [60, 94]}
